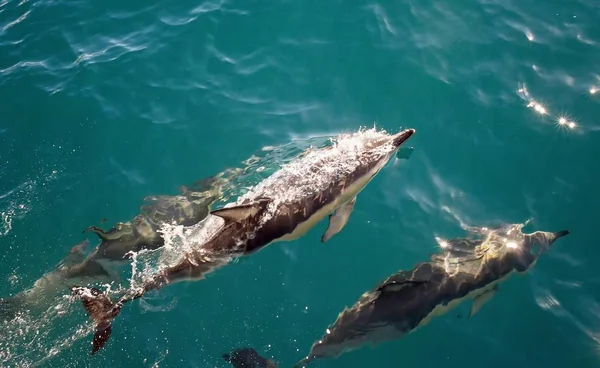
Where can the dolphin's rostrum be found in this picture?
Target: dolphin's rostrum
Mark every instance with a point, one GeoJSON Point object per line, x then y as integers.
{"type": "Point", "coordinates": [282, 207]}
{"type": "Point", "coordinates": [465, 268]}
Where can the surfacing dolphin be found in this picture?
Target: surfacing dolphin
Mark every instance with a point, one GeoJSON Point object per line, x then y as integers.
{"type": "Point", "coordinates": [319, 183]}
{"type": "Point", "coordinates": [189, 207]}
{"type": "Point", "coordinates": [465, 268]}
{"type": "Point", "coordinates": [248, 358]}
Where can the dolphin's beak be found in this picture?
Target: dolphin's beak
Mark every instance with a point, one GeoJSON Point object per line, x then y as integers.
{"type": "Point", "coordinates": [403, 137]}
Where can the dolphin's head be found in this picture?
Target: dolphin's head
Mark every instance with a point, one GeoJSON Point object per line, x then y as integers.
{"type": "Point", "coordinates": [379, 149]}
{"type": "Point", "coordinates": [541, 241]}
{"type": "Point", "coordinates": [400, 138]}
{"type": "Point", "coordinates": [395, 140]}
{"type": "Point", "coordinates": [517, 250]}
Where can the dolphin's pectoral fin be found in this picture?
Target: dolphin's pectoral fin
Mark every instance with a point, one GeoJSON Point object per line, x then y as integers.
{"type": "Point", "coordinates": [304, 362]}
{"type": "Point", "coordinates": [404, 153]}
{"type": "Point", "coordinates": [241, 212]}
{"type": "Point", "coordinates": [479, 301]}
{"type": "Point", "coordinates": [338, 220]}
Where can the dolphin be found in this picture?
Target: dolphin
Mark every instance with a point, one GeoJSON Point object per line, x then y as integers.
{"type": "Point", "coordinates": [189, 207]}
{"type": "Point", "coordinates": [465, 269]}
{"type": "Point", "coordinates": [44, 288]}
{"type": "Point", "coordinates": [321, 182]}
{"type": "Point", "coordinates": [248, 358]}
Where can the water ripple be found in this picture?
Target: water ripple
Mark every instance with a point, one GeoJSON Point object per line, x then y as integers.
{"type": "Point", "coordinates": [16, 21]}
{"type": "Point", "coordinates": [502, 94]}
{"type": "Point", "coordinates": [17, 202]}
{"type": "Point", "coordinates": [101, 49]}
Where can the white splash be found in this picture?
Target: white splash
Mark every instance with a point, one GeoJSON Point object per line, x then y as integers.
{"type": "Point", "coordinates": [317, 168]}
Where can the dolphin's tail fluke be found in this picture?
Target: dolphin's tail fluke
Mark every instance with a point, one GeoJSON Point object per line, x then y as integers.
{"type": "Point", "coordinates": [102, 311]}
{"type": "Point", "coordinates": [10, 307]}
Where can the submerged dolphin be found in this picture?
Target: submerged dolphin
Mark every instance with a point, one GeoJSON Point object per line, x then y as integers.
{"type": "Point", "coordinates": [142, 232]}
{"type": "Point", "coordinates": [191, 206]}
{"type": "Point", "coordinates": [41, 294]}
{"type": "Point", "coordinates": [248, 358]}
{"type": "Point", "coordinates": [283, 207]}
{"type": "Point", "coordinates": [466, 268]}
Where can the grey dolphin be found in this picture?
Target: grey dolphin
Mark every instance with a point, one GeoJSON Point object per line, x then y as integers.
{"type": "Point", "coordinates": [320, 183]}
{"type": "Point", "coordinates": [248, 358]}
{"type": "Point", "coordinates": [44, 288]}
{"type": "Point", "coordinates": [189, 207]}
{"type": "Point", "coordinates": [467, 268]}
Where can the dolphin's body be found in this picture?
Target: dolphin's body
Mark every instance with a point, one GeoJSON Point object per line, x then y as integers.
{"type": "Point", "coordinates": [283, 207]}
{"type": "Point", "coordinates": [466, 268]}
{"type": "Point", "coordinates": [191, 206]}
{"type": "Point", "coordinates": [248, 358]}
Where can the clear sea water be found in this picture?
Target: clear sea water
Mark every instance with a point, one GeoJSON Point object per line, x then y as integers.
{"type": "Point", "coordinates": [104, 103]}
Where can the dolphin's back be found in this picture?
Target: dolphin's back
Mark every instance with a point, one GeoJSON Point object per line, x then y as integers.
{"type": "Point", "coordinates": [299, 194]}
{"type": "Point", "coordinates": [430, 285]}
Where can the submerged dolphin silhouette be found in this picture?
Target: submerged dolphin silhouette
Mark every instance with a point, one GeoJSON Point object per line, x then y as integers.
{"type": "Point", "coordinates": [248, 358]}
{"type": "Point", "coordinates": [283, 207]}
{"type": "Point", "coordinates": [465, 268]}
{"type": "Point", "coordinates": [191, 206]}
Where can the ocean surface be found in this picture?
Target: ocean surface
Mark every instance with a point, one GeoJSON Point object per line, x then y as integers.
{"type": "Point", "coordinates": [105, 103]}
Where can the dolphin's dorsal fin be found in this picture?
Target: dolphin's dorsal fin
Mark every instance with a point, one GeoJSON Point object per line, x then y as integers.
{"type": "Point", "coordinates": [98, 231]}
{"type": "Point", "coordinates": [241, 212]}
{"type": "Point", "coordinates": [338, 219]}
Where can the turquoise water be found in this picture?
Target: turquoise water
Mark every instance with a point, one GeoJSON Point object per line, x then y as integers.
{"type": "Point", "coordinates": [105, 103]}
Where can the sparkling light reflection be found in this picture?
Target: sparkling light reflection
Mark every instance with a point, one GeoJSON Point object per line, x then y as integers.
{"type": "Point", "coordinates": [562, 120]}
{"type": "Point", "coordinates": [529, 35]}
{"type": "Point", "coordinates": [566, 122]}
{"type": "Point", "coordinates": [441, 242]}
